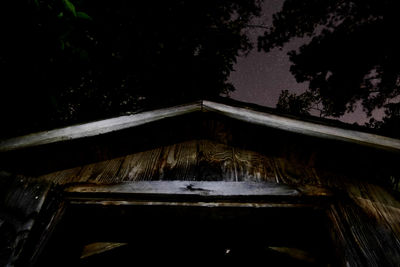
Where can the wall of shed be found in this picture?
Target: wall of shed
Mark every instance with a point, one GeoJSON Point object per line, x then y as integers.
{"type": "Point", "coordinates": [207, 146]}
{"type": "Point", "coordinates": [212, 161]}
{"type": "Point", "coordinates": [213, 148]}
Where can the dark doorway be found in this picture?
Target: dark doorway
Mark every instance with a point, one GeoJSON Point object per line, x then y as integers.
{"type": "Point", "coordinates": [139, 235]}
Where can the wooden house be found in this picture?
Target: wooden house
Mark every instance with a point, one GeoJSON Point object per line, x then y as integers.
{"type": "Point", "coordinates": [209, 182]}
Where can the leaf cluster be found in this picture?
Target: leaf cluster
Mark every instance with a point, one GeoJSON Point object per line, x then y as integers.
{"type": "Point", "coordinates": [352, 55]}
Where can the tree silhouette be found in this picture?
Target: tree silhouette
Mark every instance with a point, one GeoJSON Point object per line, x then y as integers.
{"type": "Point", "coordinates": [66, 61]}
{"type": "Point", "coordinates": [353, 54]}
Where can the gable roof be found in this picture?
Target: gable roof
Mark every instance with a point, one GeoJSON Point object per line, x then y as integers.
{"type": "Point", "coordinates": [241, 113]}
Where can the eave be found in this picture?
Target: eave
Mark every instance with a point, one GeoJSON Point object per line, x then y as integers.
{"type": "Point", "coordinates": [239, 113]}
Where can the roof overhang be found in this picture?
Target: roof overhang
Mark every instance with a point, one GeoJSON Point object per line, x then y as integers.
{"type": "Point", "coordinates": [239, 113]}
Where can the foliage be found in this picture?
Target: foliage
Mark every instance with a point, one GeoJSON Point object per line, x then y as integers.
{"type": "Point", "coordinates": [65, 61]}
{"type": "Point", "coordinates": [390, 124]}
{"type": "Point", "coordinates": [353, 54]}
{"type": "Point", "coordinates": [295, 104]}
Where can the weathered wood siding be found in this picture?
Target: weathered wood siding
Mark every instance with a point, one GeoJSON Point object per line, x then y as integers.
{"type": "Point", "coordinates": [372, 205]}
{"type": "Point", "coordinates": [206, 160]}
{"type": "Point", "coordinates": [201, 160]}
{"type": "Point", "coordinates": [210, 147]}
{"type": "Point", "coordinates": [324, 154]}
{"type": "Point", "coordinates": [21, 200]}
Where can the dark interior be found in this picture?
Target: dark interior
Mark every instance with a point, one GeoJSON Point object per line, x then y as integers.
{"type": "Point", "coordinates": [143, 235]}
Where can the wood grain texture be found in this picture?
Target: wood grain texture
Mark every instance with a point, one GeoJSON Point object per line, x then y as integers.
{"type": "Point", "coordinates": [215, 162]}
{"type": "Point", "coordinates": [378, 204]}
{"type": "Point", "coordinates": [21, 199]}
{"type": "Point", "coordinates": [253, 166]}
{"type": "Point", "coordinates": [202, 160]}
{"type": "Point", "coordinates": [189, 188]}
{"type": "Point", "coordinates": [178, 161]}
{"type": "Point", "coordinates": [226, 145]}
{"type": "Point", "coordinates": [361, 241]}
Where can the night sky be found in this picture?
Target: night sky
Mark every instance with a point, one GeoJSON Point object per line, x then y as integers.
{"type": "Point", "coordinates": [259, 77]}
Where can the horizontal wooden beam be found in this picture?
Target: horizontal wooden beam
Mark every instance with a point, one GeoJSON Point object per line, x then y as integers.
{"type": "Point", "coordinates": [178, 192]}
{"type": "Point", "coordinates": [194, 204]}
{"type": "Point", "coordinates": [189, 188]}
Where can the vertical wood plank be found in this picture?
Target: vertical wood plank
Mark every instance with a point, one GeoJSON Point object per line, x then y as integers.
{"type": "Point", "coordinates": [63, 177]}
{"type": "Point", "coordinates": [359, 240]}
{"type": "Point", "coordinates": [141, 166]}
{"type": "Point", "coordinates": [252, 166]}
{"type": "Point", "coordinates": [379, 204]}
{"type": "Point", "coordinates": [290, 172]}
{"type": "Point", "coordinates": [215, 162]}
{"type": "Point", "coordinates": [178, 161]}
{"type": "Point", "coordinates": [21, 199]}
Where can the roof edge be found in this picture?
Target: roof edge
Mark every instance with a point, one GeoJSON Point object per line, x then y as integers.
{"type": "Point", "coordinates": [303, 127]}
{"type": "Point", "coordinates": [97, 127]}
{"type": "Point", "coordinates": [239, 113]}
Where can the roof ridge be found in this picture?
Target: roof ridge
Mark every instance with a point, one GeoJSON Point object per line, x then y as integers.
{"type": "Point", "coordinates": [249, 115]}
